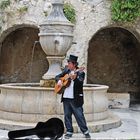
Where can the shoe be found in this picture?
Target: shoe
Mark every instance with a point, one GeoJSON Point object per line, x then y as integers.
{"type": "Point", "coordinates": [67, 136]}
{"type": "Point", "coordinates": [87, 136]}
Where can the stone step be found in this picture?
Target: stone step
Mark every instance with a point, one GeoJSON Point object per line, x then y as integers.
{"type": "Point", "coordinates": [112, 121]}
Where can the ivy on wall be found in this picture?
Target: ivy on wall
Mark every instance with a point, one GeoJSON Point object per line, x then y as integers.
{"type": "Point", "coordinates": [23, 9]}
{"type": "Point", "coordinates": [4, 4]}
{"type": "Point", "coordinates": [125, 10]}
{"type": "Point", "coordinates": [69, 12]}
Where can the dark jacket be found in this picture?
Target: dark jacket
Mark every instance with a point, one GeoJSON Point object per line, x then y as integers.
{"type": "Point", "coordinates": [78, 86]}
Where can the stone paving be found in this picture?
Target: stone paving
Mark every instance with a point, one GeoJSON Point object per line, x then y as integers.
{"type": "Point", "coordinates": [129, 130]}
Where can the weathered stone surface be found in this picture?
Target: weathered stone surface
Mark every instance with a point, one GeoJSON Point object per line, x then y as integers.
{"type": "Point", "coordinates": [34, 102]}
{"type": "Point", "coordinates": [92, 17]}
{"type": "Point", "coordinates": [47, 83]}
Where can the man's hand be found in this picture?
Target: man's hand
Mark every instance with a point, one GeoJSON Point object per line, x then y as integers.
{"type": "Point", "coordinates": [59, 83]}
{"type": "Point", "coordinates": [72, 76]}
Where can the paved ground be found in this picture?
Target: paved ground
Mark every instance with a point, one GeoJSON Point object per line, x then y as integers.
{"type": "Point", "coordinates": [129, 130]}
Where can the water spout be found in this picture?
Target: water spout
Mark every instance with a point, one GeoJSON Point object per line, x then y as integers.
{"type": "Point", "coordinates": [36, 43]}
{"type": "Point", "coordinates": [32, 57]}
{"type": "Point", "coordinates": [56, 41]}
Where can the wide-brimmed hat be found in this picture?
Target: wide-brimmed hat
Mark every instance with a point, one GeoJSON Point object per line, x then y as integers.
{"type": "Point", "coordinates": [72, 58]}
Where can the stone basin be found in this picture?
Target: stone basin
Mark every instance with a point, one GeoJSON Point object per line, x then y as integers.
{"type": "Point", "coordinates": [30, 103]}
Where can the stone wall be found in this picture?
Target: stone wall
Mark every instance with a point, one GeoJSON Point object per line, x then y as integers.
{"type": "Point", "coordinates": [92, 16]}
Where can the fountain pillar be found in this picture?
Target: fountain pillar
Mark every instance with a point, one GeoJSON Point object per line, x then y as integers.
{"type": "Point", "coordinates": [56, 36]}
{"type": "Point", "coordinates": [54, 69]}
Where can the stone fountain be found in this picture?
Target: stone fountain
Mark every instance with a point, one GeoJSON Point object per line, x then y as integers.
{"type": "Point", "coordinates": [56, 36]}
{"type": "Point", "coordinates": [24, 104]}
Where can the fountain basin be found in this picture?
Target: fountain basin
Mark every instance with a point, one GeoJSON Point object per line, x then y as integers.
{"type": "Point", "coordinates": [30, 103]}
{"type": "Point", "coordinates": [56, 37]}
{"type": "Point", "coordinates": [55, 44]}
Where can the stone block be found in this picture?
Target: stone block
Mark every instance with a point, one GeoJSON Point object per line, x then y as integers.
{"type": "Point", "coordinates": [118, 100]}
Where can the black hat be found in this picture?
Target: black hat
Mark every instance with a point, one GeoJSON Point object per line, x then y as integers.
{"type": "Point", "coordinates": [73, 58]}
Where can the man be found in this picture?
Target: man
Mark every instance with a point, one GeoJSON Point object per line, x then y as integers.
{"type": "Point", "coordinates": [72, 97]}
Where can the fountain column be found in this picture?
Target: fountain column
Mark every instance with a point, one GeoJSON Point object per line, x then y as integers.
{"type": "Point", "coordinates": [56, 36]}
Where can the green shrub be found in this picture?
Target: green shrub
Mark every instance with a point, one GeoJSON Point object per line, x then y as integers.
{"type": "Point", "coordinates": [69, 12]}
{"type": "Point", "coordinates": [125, 10]}
{"type": "Point", "coordinates": [45, 13]}
{"type": "Point", "coordinates": [4, 4]}
{"type": "Point", "coordinates": [23, 9]}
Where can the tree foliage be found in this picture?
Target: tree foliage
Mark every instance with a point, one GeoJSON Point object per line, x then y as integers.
{"type": "Point", "coordinates": [125, 10]}
{"type": "Point", "coordinates": [4, 4]}
{"type": "Point", "coordinates": [69, 12]}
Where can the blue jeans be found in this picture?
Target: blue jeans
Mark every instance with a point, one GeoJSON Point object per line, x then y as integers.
{"type": "Point", "coordinates": [69, 109]}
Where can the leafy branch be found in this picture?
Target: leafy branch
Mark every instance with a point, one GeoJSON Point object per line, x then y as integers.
{"type": "Point", "coordinates": [4, 4]}
{"type": "Point", "coordinates": [69, 12]}
{"type": "Point", "coordinates": [125, 10]}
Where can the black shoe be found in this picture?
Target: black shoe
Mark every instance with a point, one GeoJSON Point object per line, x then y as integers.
{"type": "Point", "coordinates": [67, 136]}
{"type": "Point", "coordinates": [87, 136]}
